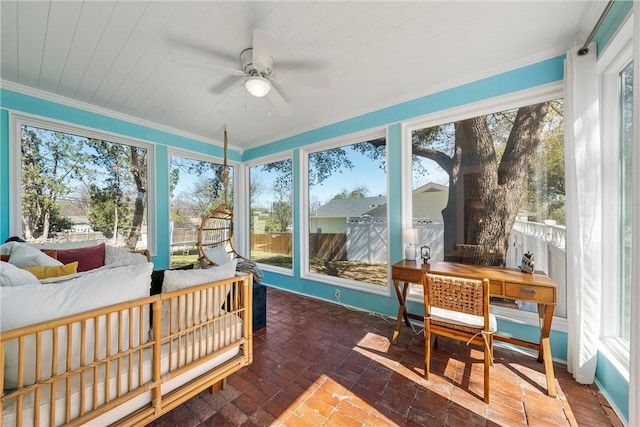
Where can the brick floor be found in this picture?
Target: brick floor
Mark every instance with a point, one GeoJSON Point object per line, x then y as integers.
{"type": "Point", "coordinates": [321, 364]}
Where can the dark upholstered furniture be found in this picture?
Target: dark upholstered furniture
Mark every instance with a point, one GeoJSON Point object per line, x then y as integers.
{"type": "Point", "coordinates": [259, 306]}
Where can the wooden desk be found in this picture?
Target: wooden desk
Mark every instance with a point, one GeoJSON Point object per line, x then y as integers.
{"type": "Point", "coordinates": [504, 283]}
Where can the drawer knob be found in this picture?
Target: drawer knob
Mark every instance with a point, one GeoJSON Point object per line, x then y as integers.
{"type": "Point", "coordinates": [530, 292]}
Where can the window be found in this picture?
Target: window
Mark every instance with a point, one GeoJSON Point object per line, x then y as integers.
{"type": "Point", "coordinates": [626, 180]}
{"type": "Point", "coordinates": [196, 186]}
{"type": "Point", "coordinates": [616, 111]}
{"type": "Point", "coordinates": [80, 185]}
{"type": "Point", "coordinates": [347, 214]}
{"type": "Point", "coordinates": [488, 189]}
{"type": "Point", "coordinates": [271, 209]}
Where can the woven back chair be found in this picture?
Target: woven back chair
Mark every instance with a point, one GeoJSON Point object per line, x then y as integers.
{"type": "Point", "coordinates": [215, 235]}
{"type": "Point", "coordinates": [458, 308]}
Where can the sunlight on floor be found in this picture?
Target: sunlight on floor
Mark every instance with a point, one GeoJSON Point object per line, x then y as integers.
{"type": "Point", "coordinates": [375, 342]}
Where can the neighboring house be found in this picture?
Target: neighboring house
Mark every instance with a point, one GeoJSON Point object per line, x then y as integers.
{"type": "Point", "coordinates": [80, 224]}
{"type": "Point", "coordinates": [428, 202]}
{"type": "Point", "coordinates": [332, 216]}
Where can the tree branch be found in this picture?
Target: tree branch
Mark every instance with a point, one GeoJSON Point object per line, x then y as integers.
{"type": "Point", "coordinates": [442, 159]}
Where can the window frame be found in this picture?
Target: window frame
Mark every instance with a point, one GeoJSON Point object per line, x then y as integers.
{"type": "Point", "coordinates": [501, 103]}
{"type": "Point", "coordinates": [17, 120]}
{"type": "Point", "coordinates": [247, 199]}
{"type": "Point", "coordinates": [611, 62]}
{"type": "Point", "coordinates": [303, 205]}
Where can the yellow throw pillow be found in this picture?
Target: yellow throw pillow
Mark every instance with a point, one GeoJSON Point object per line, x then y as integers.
{"type": "Point", "coordinates": [44, 272]}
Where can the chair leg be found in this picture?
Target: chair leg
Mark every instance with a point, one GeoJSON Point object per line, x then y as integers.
{"type": "Point", "coordinates": [427, 350]}
{"type": "Point", "coordinates": [487, 365]}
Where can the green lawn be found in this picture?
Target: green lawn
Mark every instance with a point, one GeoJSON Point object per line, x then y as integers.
{"type": "Point", "coordinates": [277, 260]}
{"type": "Point", "coordinates": [182, 260]}
{"type": "Point", "coordinates": [370, 273]}
{"type": "Point", "coordinates": [362, 272]}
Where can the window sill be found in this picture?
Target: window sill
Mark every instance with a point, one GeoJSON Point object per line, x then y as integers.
{"type": "Point", "coordinates": [616, 350]}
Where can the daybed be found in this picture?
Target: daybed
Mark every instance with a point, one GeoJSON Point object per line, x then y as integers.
{"type": "Point", "coordinates": [98, 350]}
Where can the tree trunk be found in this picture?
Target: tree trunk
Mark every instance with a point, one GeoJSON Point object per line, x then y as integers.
{"type": "Point", "coordinates": [139, 171]}
{"type": "Point", "coordinates": [115, 224]}
{"type": "Point", "coordinates": [45, 225]}
{"type": "Point", "coordinates": [26, 228]}
{"type": "Point", "coordinates": [491, 193]}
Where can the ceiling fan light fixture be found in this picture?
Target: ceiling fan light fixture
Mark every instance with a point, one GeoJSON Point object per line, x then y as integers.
{"type": "Point", "coordinates": [257, 86]}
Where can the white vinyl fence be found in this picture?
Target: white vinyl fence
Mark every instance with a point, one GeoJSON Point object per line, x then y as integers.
{"type": "Point", "coordinates": [367, 240]}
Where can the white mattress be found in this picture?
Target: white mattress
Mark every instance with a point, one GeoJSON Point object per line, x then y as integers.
{"type": "Point", "coordinates": [232, 333]}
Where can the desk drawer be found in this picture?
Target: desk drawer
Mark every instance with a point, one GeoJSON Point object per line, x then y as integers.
{"type": "Point", "coordinates": [407, 275]}
{"type": "Point", "coordinates": [535, 293]}
{"type": "Point", "coordinates": [495, 287]}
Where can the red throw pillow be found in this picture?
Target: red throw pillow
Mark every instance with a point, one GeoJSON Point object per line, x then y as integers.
{"type": "Point", "coordinates": [53, 253]}
{"type": "Point", "coordinates": [88, 258]}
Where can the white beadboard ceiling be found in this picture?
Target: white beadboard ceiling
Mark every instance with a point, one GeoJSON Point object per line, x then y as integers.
{"type": "Point", "coordinates": [121, 55]}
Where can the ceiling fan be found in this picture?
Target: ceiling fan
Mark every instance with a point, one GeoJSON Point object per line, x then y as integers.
{"type": "Point", "coordinates": [257, 73]}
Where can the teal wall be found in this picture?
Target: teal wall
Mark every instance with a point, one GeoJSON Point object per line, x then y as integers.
{"type": "Point", "coordinates": [531, 76]}
{"type": "Point", "coordinates": [4, 174]}
{"type": "Point", "coordinates": [619, 10]}
{"type": "Point", "coordinates": [548, 71]}
{"type": "Point", "coordinates": [613, 385]}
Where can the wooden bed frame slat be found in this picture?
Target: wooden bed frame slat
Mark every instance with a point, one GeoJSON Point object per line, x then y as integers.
{"type": "Point", "coordinates": [198, 341]}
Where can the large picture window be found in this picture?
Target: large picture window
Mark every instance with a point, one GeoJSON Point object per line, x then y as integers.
{"type": "Point", "coordinates": [626, 200]}
{"type": "Point", "coordinates": [347, 213]}
{"type": "Point", "coordinates": [196, 187]}
{"type": "Point", "coordinates": [616, 69]}
{"type": "Point", "coordinates": [271, 208]}
{"type": "Point", "coordinates": [488, 189]}
{"type": "Point", "coordinates": [82, 187]}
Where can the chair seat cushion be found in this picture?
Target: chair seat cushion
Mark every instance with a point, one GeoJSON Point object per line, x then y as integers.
{"type": "Point", "coordinates": [462, 319]}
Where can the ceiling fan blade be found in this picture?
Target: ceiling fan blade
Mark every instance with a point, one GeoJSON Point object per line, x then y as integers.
{"type": "Point", "coordinates": [263, 44]}
{"type": "Point", "coordinates": [312, 80]}
{"type": "Point", "coordinates": [225, 84]}
{"type": "Point", "coordinates": [229, 70]}
{"type": "Point", "coordinates": [202, 48]}
{"type": "Point", "coordinates": [279, 102]}
{"type": "Point", "coordinates": [228, 91]}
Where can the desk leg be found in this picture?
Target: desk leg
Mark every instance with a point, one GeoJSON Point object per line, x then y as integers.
{"type": "Point", "coordinates": [545, 315]}
{"type": "Point", "coordinates": [402, 310]}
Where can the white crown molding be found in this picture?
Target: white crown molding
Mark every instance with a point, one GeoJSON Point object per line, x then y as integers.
{"type": "Point", "coordinates": [51, 97]}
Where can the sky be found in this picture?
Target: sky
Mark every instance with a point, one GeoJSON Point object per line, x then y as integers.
{"type": "Point", "coordinates": [365, 173]}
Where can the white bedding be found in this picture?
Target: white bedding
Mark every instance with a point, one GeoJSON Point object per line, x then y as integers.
{"type": "Point", "coordinates": [231, 332]}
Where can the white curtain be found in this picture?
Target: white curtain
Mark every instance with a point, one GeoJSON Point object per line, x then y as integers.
{"type": "Point", "coordinates": [634, 355]}
{"type": "Point", "coordinates": [583, 211]}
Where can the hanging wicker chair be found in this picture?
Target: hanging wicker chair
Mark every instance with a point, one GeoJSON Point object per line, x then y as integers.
{"type": "Point", "coordinates": [216, 231]}
{"type": "Point", "coordinates": [215, 235]}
